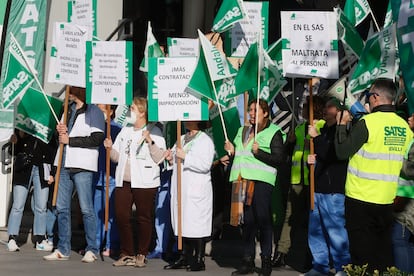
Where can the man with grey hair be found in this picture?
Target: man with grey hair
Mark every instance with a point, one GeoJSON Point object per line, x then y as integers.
{"type": "Point", "coordinates": [375, 147]}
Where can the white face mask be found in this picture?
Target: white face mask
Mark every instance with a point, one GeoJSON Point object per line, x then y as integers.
{"type": "Point", "coordinates": [131, 118]}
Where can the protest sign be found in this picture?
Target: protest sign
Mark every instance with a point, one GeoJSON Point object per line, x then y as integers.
{"type": "Point", "coordinates": [67, 60]}
{"type": "Point", "coordinates": [183, 47]}
{"type": "Point", "coordinates": [83, 13]}
{"type": "Point", "coordinates": [109, 72]}
{"type": "Point", "coordinates": [167, 99]}
{"type": "Point", "coordinates": [245, 32]}
{"type": "Point", "coordinates": [310, 44]}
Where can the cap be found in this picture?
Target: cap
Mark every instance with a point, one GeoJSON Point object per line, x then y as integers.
{"type": "Point", "coordinates": [335, 102]}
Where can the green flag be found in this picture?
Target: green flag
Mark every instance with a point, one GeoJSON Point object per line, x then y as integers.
{"type": "Point", "coordinates": [18, 77]}
{"type": "Point", "coordinates": [403, 15]}
{"type": "Point", "coordinates": [152, 49]}
{"type": "Point", "coordinates": [212, 68]}
{"type": "Point", "coordinates": [388, 16]}
{"type": "Point", "coordinates": [378, 60]}
{"type": "Point", "coordinates": [275, 53]}
{"type": "Point", "coordinates": [349, 35]}
{"type": "Point", "coordinates": [232, 121]}
{"type": "Point", "coordinates": [34, 115]}
{"type": "Point", "coordinates": [27, 22]}
{"type": "Point", "coordinates": [357, 10]}
{"type": "Point", "coordinates": [229, 13]}
{"type": "Point", "coordinates": [271, 80]}
{"type": "Point", "coordinates": [3, 5]}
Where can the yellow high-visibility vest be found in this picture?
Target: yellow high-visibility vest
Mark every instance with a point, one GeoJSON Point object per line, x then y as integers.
{"type": "Point", "coordinates": [374, 170]}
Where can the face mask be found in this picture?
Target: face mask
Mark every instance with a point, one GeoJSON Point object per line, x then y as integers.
{"type": "Point", "coordinates": [131, 118]}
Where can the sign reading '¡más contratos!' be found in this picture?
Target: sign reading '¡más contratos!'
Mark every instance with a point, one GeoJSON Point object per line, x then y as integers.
{"type": "Point", "coordinates": [309, 44]}
{"type": "Point", "coordinates": [167, 99]}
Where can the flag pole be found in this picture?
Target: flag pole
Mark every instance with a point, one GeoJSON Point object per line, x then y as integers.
{"type": "Point", "coordinates": [35, 77]}
{"type": "Point", "coordinates": [61, 147]}
{"type": "Point", "coordinates": [258, 86]}
{"type": "Point", "coordinates": [375, 20]}
{"type": "Point", "coordinates": [179, 207]}
{"type": "Point", "coordinates": [107, 174]}
{"type": "Point", "coordinates": [311, 150]}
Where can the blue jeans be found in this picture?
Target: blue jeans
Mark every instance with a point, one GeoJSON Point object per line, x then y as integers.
{"type": "Point", "coordinates": [327, 233]}
{"type": "Point", "coordinates": [162, 213]}
{"type": "Point", "coordinates": [84, 187]}
{"type": "Point", "coordinates": [20, 192]}
{"type": "Point", "coordinates": [112, 238]}
{"type": "Point", "coordinates": [403, 248]}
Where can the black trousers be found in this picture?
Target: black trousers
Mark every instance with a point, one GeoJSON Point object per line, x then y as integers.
{"type": "Point", "coordinates": [258, 217]}
{"type": "Point", "coordinates": [369, 229]}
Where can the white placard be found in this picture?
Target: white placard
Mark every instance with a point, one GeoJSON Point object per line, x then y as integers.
{"type": "Point", "coordinates": [183, 47]}
{"type": "Point", "coordinates": [167, 98]}
{"type": "Point", "coordinates": [309, 44]}
{"type": "Point", "coordinates": [67, 60]}
{"type": "Point", "coordinates": [109, 72]}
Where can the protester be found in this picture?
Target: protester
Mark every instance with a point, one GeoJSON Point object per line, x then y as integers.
{"type": "Point", "coordinates": [293, 239]}
{"type": "Point", "coordinates": [32, 166]}
{"type": "Point", "coordinates": [403, 228]}
{"type": "Point", "coordinates": [81, 137]}
{"type": "Point", "coordinates": [137, 149]}
{"type": "Point", "coordinates": [196, 154]}
{"type": "Point", "coordinates": [254, 170]}
{"type": "Point", "coordinates": [99, 179]}
{"type": "Point", "coordinates": [327, 237]}
{"type": "Point", "coordinates": [375, 147]}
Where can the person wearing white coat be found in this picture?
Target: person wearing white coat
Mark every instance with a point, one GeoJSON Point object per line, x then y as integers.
{"type": "Point", "coordinates": [137, 149]}
{"type": "Point", "coordinates": [196, 154]}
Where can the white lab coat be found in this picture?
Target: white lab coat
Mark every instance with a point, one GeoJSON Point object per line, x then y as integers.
{"type": "Point", "coordinates": [196, 189]}
{"type": "Point", "coordinates": [145, 173]}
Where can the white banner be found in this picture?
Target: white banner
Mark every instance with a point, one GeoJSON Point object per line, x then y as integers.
{"type": "Point", "coordinates": [309, 44]}
{"type": "Point", "coordinates": [167, 99]}
{"type": "Point", "coordinates": [183, 47]}
{"type": "Point", "coordinates": [109, 72]}
{"type": "Point", "coordinates": [67, 61]}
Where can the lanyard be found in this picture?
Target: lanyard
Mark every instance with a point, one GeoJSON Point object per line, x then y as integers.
{"type": "Point", "coordinates": [189, 145]}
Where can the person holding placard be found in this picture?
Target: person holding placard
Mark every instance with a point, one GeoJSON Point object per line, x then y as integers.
{"type": "Point", "coordinates": [196, 154]}
{"type": "Point", "coordinates": [137, 149]}
{"type": "Point", "coordinates": [81, 138]}
{"type": "Point", "coordinates": [254, 171]}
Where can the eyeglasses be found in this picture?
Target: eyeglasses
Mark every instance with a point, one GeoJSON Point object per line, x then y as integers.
{"type": "Point", "coordinates": [368, 95]}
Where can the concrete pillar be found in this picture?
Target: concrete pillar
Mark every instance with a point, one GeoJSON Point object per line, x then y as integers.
{"type": "Point", "coordinates": [193, 17]}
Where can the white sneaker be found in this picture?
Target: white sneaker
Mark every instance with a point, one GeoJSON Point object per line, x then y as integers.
{"type": "Point", "coordinates": [56, 256]}
{"type": "Point", "coordinates": [44, 246]}
{"type": "Point", "coordinates": [12, 246]}
{"type": "Point", "coordinates": [89, 257]}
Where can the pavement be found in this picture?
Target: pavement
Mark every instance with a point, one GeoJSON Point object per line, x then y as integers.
{"type": "Point", "coordinates": [223, 257]}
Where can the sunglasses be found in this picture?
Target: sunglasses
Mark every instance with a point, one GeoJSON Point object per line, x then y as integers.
{"type": "Point", "coordinates": [368, 95]}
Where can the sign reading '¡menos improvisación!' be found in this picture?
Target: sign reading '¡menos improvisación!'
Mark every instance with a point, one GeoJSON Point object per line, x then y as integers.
{"type": "Point", "coordinates": [309, 44]}
{"type": "Point", "coordinates": [167, 98]}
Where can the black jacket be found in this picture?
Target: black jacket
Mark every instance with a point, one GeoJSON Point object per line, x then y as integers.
{"type": "Point", "coordinates": [330, 172]}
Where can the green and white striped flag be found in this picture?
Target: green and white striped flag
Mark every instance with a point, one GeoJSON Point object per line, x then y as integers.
{"type": "Point", "coordinates": [152, 49]}
{"type": "Point", "coordinates": [348, 34]}
{"type": "Point", "coordinates": [275, 53]}
{"type": "Point", "coordinates": [212, 68]}
{"type": "Point", "coordinates": [18, 77]}
{"type": "Point", "coordinates": [378, 60]}
{"type": "Point", "coordinates": [357, 10]}
{"type": "Point", "coordinates": [388, 16]}
{"type": "Point", "coordinates": [229, 13]}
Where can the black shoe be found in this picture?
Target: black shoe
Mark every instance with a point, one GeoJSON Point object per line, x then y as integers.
{"type": "Point", "coordinates": [197, 265]}
{"type": "Point", "coordinates": [247, 267]}
{"type": "Point", "coordinates": [279, 260]}
{"type": "Point", "coordinates": [181, 263]}
{"type": "Point", "coordinates": [266, 269]}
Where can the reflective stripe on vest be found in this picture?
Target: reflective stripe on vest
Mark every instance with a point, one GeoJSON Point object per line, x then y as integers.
{"type": "Point", "coordinates": [373, 171]}
{"type": "Point", "coordinates": [246, 165]}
